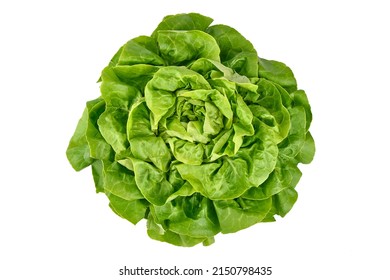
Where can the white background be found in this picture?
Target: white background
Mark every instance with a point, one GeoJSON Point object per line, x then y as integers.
{"type": "Point", "coordinates": [54, 226]}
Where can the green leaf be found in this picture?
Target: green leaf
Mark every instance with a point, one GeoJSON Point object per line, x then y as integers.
{"type": "Point", "coordinates": [152, 149]}
{"type": "Point", "coordinates": [271, 110]}
{"type": "Point", "coordinates": [306, 154]}
{"type": "Point", "coordinates": [186, 152]}
{"type": "Point", "coordinates": [300, 99]}
{"type": "Point", "coordinates": [243, 124]}
{"type": "Point", "coordinates": [152, 182]}
{"type": "Point", "coordinates": [158, 232]}
{"type": "Point", "coordinates": [211, 69]}
{"type": "Point", "coordinates": [191, 216]}
{"type": "Point", "coordinates": [160, 91]}
{"type": "Point", "coordinates": [277, 72]}
{"type": "Point", "coordinates": [294, 142]}
{"type": "Point", "coordinates": [120, 182]}
{"type": "Point", "coordinates": [224, 179]}
{"type": "Point", "coordinates": [133, 211]}
{"type": "Point", "coordinates": [78, 149]}
{"type": "Point", "coordinates": [98, 147]}
{"type": "Point", "coordinates": [282, 177]}
{"type": "Point", "coordinates": [88, 136]}
{"type": "Point", "coordinates": [98, 175]}
{"type": "Point", "coordinates": [284, 201]}
{"type": "Point", "coordinates": [137, 75]}
{"type": "Point", "coordinates": [191, 21]}
{"type": "Point", "coordinates": [235, 215]}
{"type": "Point", "coordinates": [176, 129]}
{"type": "Point", "coordinates": [178, 47]}
{"type": "Point", "coordinates": [236, 51]}
{"type": "Point", "coordinates": [140, 50]}
{"type": "Point", "coordinates": [116, 93]}
{"type": "Point", "coordinates": [138, 123]}
{"type": "Point", "coordinates": [260, 159]}
{"type": "Point", "coordinates": [112, 125]}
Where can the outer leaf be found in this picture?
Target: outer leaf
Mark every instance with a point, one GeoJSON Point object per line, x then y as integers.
{"type": "Point", "coordinates": [300, 99]}
{"type": "Point", "coordinates": [277, 72]}
{"type": "Point", "coordinates": [152, 149]}
{"type": "Point", "coordinates": [191, 21]}
{"type": "Point", "coordinates": [112, 125]}
{"type": "Point", "coordinates": [225, 179]}
{"type": "Point", "coordinates": [236, 51]}
{"type": "Point", "coordinates": [179, 47]}
{"type": "Point", "coordinates": [133, 211]}
{"type": "Point", "coordinates": [116, 93]}
{"type": "Point", "coordinates": [191, 216]}
{"type": "Point", "coordinates": [78, 151]}
{"type": "Point", "coordinates": [282, 177]}
{"type": "Point", "coordinates": [235, 215]}
{"type": "Point", "coordinates": [293, 144]}
{"type": "Point", "coordinates": [140, 50]}
{"type": "Point", "coordinates": [98, 175]}
{"type": "Point", "coordinates": [261, 159]}
{"type": "Point", "coordinates": [152, 182]}
{"type": "Point", "coordinates": [284, 201]}
{"type": "Point", "coordinates": [120, 182]}
{"type": "Point", "coordinates": [136, 75]}
{"type": "Point", "coordinates": [272, 111]}
{"type": "Point", "coordinates": [306, 154]}
{"type": "Point", "coordinates": [98, 147]}
{"type": "Point", "coordinates": [156, 231]}
{"type": "Point", "coordinates": [138, 124]}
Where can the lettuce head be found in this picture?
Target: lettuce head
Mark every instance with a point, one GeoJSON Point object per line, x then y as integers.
{"type": "Point", "coordinates": [194, 132]}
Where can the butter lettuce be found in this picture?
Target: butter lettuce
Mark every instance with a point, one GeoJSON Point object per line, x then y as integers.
{"type": "Point", "coordinates": [195, 133]}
